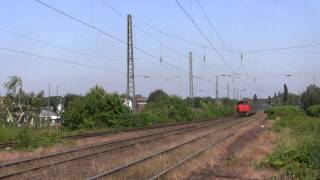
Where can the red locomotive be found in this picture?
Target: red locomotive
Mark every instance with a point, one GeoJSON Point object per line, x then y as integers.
{"type": "Point", "coordinates": [244, 108]}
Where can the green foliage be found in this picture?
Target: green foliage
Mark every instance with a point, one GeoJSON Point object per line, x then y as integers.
{"type": "Point", "coordinates": [68, 98]}
{"type": "Point", "coordinates": [283, 111]}
{"type": "Point", "coordinates": [285, 94]}
{"type": "Point", "coordinates": [175, 109]}
{"type": "Point", "coordinates": [157, 96]}
{"type": "Point", "coordinates": [97, 109]}
{"type": "Point", "coordinates": [296, 162]}
{"type": "Point", "coordinates": [297, 153]}
{"type": "Point", "coordinates": [165, 109]}
{"type": "Point", "coordinates": [314, 110]}
{"type": "Point", "coordinates": [310, 97]}
{"type": "Point", "coordinates": [212, 110]}
{"type": "Point", "coordinates": [29, 138]}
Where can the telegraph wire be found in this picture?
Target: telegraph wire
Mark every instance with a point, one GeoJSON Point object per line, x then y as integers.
{"type": "Point", "coordinates": [282, 48]}
{"type": "Point", "coordinates": [56, 59]}
{"type": "Point", "coordinates": [216, 31]}
{"type": "Point", "coordinates": [214, 28]}
{"type": "Point", "coordinates": [51, 59]}
{"type": "Point", "coordinates": [204, 36]}
{"type": "Point", "coordinates": [106, 34]}
{"type": "Point", "coordinates": [179, 37]}
{"type": "Point", "coordinates": [139, 28]}
{"type": "Point", "coordinates": [57, 46]}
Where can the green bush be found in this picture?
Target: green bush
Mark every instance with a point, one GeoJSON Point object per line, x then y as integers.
{"type": "Point", "coordinates": [297, 153]}
{"type": "Point", "coordinates": [212, 110]}
{"type": "Point", "coordinates": [29, 138]}
{"type": "Point", "coordinates": [296, 162]}
{"type": "Point", "coordinates": [314, 110]}
{"type": "Point", "coordinates": [283, 111]}
{"type": "Point", "coordinates": [97, 109]}
{"type": "Point", "coordinates": [310, 97]}
{"type": "Point", "coordinates": [165, 109]}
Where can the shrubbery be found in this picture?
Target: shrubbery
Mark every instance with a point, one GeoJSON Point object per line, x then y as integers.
{"type": "Point", "coordinates": [162, 108]}
{"type": "Point", "coordinates": [29, 138]}
{"type": "Point", "coordinates": [284, 111]}
{"type": "Point", "coordinates": [210, 110]}
{"type": "Point", "coordinates": [310, 97]}
{"type": "Point", "coordinates": [297, 152]}
{"type": "Point", "coordinates": [165, 109]}
{"type": "Point", "coordinates": [314, 110]}
{"type": "Point", "coordinates": [97, 109]}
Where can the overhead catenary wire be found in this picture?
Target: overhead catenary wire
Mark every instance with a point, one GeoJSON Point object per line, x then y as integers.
{"type": "Point", "coordinates": [207, 39]}
{"type": "Point", "coordinates": [107, 34]}
{"type": "Point", "coordinates": [51, 59]}
{"type": "Point", "coordinates": [204, 36]}
{"type": "Point", "coordinates": [179, 37]}
{"type": "Point", "coordinates": [216, 31]}
{"type": "Point", "coordinates": [58, 46]}
{"type": "Point", "coordinates": [140, 29]}
{"type": "Point", "coordinates": [282, 48]}
{"type": "Point", "coordinates": [56, 59]}
{"type": "Point", "coordinates": [220, 37]}
{"type": "Point", "coordinates": [148, 34]}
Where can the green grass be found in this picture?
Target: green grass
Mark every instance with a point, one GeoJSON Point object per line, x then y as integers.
{"type": "Point", "coordinates": [171, 111]}
{"type": "Point", "coordinates": [27, 138]}
{"type": "Point", "coordinates": [297, 153]}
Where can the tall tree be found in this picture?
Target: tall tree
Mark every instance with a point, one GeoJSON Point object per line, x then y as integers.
{"type": "Point", "coordinates": [311, 96]}
{"type": "Point", "coordinates": [275, 98]}
{"type": "Point", "coordinates": [157, 95]}
{"type": "Point", "coordinates": [285, 94]}
{"type": "Point", "coordinates": [14, 88]}
{"type": "Point", "coordinates": [255, 100]}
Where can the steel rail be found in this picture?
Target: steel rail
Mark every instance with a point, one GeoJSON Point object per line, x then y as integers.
{"type": "Point", "coordinates": [198, 153]}
{"type": "Point", "coordinates": [162, 173]}
{"type": "Point", "coordinates": [184, 129]}
{"type": "Point", "coordinates": [104, 133]}
{"type": "Point", "coordinates": [132, 163]}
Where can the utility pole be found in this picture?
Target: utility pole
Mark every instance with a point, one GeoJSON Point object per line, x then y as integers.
{"type": "Point", "coordinates": [190, 80]}
{"type": "Point", "coordinates": [217, 93]}
{"type": "Point", "coordinates": [228, 91]}
{"type": "Point", "coordinates": [49, 96]}
{"type": "Point", "coordinates": [57, 89]}
{"type": "Point", "coordinates": [130, 66]}
{"type": "Point", "coordinates": [217, 88]}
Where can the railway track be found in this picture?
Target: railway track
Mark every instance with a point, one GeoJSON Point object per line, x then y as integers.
{"type": "Point", "coordinates": [206, 137]}
{"type": "Point", "coordinates": [105, 133]}
{"type": "Point", "coordinates": [20, 167]}
{"type": "Point", "coordinates": [162, 173]}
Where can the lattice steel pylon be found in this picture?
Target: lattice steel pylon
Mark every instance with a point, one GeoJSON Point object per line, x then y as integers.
{"type": "Point", "coordinates": [190, 80]}
{"type": "Point", "coordinates": [130, 67]}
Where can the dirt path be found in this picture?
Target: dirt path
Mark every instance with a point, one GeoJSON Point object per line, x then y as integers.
{"type": "Point", "coordinates": [234, 159]}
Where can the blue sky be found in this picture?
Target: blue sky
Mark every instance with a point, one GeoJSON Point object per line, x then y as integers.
{"type": "Point", "coordinates": [243, 25]}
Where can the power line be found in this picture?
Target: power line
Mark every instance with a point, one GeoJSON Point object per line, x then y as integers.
{"type": "Point", "coordinates": [179, 37]}
{"type": "Point", "coordinates": [211, 25]}
{"type": "Point", "coordinates": [139, 28]}
{"type": "Point", "coordinates": [57, 46]}
{"type": "Point", "coordinates": [216, 31]}
{"type": "Point", "coordinates": [67, 62]}
{"type": "Point", "coordinates": [204, 36]}
{"type": "Point", "coordinates": [106, 34]}
{"type": "Point", "coordinates": [148, 34]}
{"type": "Point", "coordinates": [282, 48]}
{"type": "Point", "coordinates": [56, 59]}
